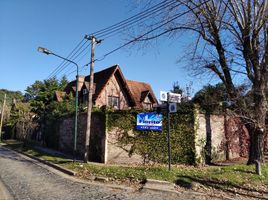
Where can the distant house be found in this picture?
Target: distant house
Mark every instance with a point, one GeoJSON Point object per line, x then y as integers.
{"type": "Point", "coordinates": [113, 90]}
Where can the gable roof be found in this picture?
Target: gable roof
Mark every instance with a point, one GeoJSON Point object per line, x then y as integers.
{"type": "Point", "coordinates": [101, 79]}
{"type": "Point", "coordinates": [144, 94]}
{"type": "Point", "coordinates": [136, 91]}
{"type": "Point", "coordinates": [72, 85]}
{"type": "Point", "coordinates": [140, 91]}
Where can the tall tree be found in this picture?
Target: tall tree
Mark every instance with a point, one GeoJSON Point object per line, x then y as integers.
{"type": "Point", "coordinates": [230, 40]}
{"type": "Point", "coordinates": [21, 119]}
{"type": "Point", "coordinates": [41, 96]}
{"type": "Point", "coordinates": [42, 93]}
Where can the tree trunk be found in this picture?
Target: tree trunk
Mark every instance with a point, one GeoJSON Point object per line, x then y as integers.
{"type": "Point", "coordinates": [257, 128]}
{"type": "Point", "coordinates": [227, 137]}
{"type": "Point", "coordinates": [208, 146]}
{"type": "Point", "coordinates": [256, 146]}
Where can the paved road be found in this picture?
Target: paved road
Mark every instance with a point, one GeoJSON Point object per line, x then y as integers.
{"type": "Point", "coordinates": [27, 179]}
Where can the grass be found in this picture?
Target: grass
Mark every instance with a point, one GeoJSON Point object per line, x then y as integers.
{"type": "Point", "coordinates": [30, 150]}
{"type": "Point", "coordinates": [227, 178]}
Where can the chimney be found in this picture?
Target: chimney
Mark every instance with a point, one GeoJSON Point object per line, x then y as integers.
{"type": "Point", "coordinates": [81, 79]}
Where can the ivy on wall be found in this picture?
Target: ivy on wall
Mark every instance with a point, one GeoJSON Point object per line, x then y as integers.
{"type": "Point", "coordinates": [152, 145]}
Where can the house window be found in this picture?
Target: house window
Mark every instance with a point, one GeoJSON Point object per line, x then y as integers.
{"type": "Point", "coordinates": [147, 106]}
{"type": "Point", "coordinates": [84, 91]}
{"type": "Point", "coordinates": [113, 102]}
{"type": "Point", "coordinates": [85, 96]}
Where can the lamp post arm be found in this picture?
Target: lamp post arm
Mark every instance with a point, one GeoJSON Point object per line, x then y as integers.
{"type": "Point", "coordinates": [66, 60]}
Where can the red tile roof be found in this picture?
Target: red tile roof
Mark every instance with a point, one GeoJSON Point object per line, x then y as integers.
{"type": "Point", "coordinates": [140, 91]}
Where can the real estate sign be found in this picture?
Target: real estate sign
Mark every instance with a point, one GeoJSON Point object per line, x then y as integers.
{"type": "Point", "coordinates": [149, 121]}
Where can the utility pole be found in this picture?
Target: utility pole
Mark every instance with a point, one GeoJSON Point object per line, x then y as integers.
{"type": "Point", "coordinates": [2, 116]}
{"type": "Point", "coordinates": [94, 41]}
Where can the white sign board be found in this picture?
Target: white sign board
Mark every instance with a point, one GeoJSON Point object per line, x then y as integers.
{"type": "Point", "coordinates": [173, 97]}
{"type": "Point", "coordinates": [163, 96]}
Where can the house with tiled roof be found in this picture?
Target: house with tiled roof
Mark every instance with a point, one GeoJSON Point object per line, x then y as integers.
{"type": "Point", "coordinates": [113, 90]}
{"type": "Point", "coordinates": [142, 94]}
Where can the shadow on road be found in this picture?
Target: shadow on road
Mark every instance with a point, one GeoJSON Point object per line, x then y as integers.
{"type": "Point", "coordinates": [7, 154]}
{"type": "Point", "coordinates": [225, 186]}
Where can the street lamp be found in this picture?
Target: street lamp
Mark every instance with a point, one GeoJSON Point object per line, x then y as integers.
{"type": "Point", "coordinates": [48, 52]}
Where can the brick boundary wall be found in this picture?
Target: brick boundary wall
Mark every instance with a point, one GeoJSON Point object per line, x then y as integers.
{"type": "Point", "coordinates": [229, 139]}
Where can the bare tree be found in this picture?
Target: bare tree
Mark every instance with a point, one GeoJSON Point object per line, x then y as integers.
{"type": "Point", "coordinates": [230, 40]}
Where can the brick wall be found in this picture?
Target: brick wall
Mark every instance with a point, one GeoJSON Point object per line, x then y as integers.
{"type": "Point", "coordinates": [102, 149]}
{"type": "Point", "coordinates": [118, 155]}
{"type": "Point", "coordinates": [226, 136]}
{"type": "Point", "coordinates": [97, 137]}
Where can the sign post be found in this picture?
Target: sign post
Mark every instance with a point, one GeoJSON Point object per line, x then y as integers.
{"type": "Point", "coordinates": [172, 99]}
{"type": "Point", "coordinates": [169, 146]}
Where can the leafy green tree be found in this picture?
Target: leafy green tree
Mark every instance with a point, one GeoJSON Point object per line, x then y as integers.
{"type": "Point", "coordinates": [41, 96]}
{"type": "Point", "coordinates": [211, 98]}
{"type": "Point", "coordinates": [63, 108]}
{"type": "Point", "coordinates": [21, 120]}
{"type": "Point", "coordinates": [33, 90]}
{"type": "Point", "coordinates": [11, 96]}
{"type": "Point", "coordinates": [42, 93]}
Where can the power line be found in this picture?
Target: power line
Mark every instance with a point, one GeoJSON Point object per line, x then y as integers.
{"type": "Point", "coordinates": [123, 21]}
{"type": "Point", "coordinates": [154, 29]}
{"type": "Point", "coordinates": [73, 58]}
{"type": "Point", "coordinates": [139, 17]}
{"type": "Point", "coordinates": [129, 21]}
{"type": "Point", "coordinates": [113, 29]}
{"type": "Point", "coordinates": [70, 56]}
{"type": "Point", "coordinates": [77, 62]}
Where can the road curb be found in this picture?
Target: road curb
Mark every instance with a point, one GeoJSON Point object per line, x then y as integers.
{"type": "Point", "coordinates": [168, 187]}
{"type": "Point", "coordinates": [157, 185]}
{"type": "Point", "coordinates": [55, 166]}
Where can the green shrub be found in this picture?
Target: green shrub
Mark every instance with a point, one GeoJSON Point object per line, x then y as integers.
{"type": "Point", "coordinates": [152, 145]}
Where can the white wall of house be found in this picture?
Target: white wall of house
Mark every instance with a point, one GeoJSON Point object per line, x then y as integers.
{"type": "Point", "coordinates": [114, 89]}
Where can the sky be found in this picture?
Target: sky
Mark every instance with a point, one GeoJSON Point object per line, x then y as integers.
{"type": "Point", "coordinates": [60, 25]}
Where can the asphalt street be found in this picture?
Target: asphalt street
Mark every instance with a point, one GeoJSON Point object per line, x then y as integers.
{"type": "Point", "coordinates": [23, 178]}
